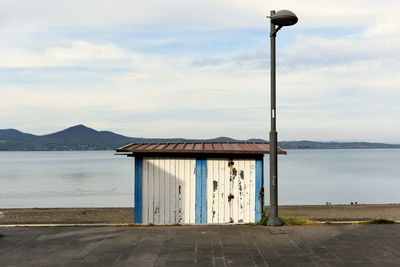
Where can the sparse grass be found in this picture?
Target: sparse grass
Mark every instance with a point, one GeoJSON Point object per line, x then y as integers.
{"type": "Point", "coordinates": [374, 221]}
{"type": "Point", "coordinates": [296, 221]}
{"type": "Point", "coordinates": [287, 221]}
{"type": "Point", "coordinates": [264, 219]}
{"type": "Point", "coordinates": [380, 221]}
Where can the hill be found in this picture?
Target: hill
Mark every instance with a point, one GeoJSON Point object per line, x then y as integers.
{"type": "Point", "coordinates": [14, 134]}
{"type": "Point", "coordinates": [80, 137]}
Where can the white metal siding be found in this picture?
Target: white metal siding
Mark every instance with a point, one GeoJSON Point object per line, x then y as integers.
{"type": "Point", "coordinates": [238, 181]}
{"type": "Point", "coordinates": [169, 187]}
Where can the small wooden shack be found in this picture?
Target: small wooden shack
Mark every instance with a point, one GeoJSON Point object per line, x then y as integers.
{"type": "Point", "coordinates": [198, 183]}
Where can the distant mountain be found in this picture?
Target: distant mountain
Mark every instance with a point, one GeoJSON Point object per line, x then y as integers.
{"type": "Point", "coordinates": [80, 137]}
{"type": "Point", "coordinates": [14, 134]}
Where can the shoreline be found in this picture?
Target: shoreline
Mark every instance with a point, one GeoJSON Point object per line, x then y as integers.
{"type": "Point", "coordinates": [115, 215]}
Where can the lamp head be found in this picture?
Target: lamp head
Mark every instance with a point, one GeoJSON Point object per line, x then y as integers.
{"type": "Point", "coordinates": [284, 18]}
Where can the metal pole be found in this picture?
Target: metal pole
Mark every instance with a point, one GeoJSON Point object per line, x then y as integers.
{"type": "Point", "coordinates": [273, 220]}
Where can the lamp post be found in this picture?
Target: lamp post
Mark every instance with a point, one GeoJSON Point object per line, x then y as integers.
{"type": "Point", "coordinates": [278, 20]}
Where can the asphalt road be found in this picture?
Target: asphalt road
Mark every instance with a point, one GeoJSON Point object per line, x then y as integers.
{"type": "Point", "coordinates": [207, 245]}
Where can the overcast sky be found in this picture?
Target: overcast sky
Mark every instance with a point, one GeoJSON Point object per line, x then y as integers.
{"type": "Point", "coordinates": [200, 68]}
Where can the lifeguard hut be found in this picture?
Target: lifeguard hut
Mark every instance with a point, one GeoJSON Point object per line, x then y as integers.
{"type": "Point", "coordinates": [198, 183]}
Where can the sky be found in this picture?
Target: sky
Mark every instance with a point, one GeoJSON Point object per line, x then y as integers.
{"type": "Point", "coordinates": [200, 68]}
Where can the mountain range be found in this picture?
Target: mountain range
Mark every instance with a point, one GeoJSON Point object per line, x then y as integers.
{"type": "Point", "coordinates": [80, 137]}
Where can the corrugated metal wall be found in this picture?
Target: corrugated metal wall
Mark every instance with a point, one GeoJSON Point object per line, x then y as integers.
{"type": "Point", "coordinates": [168, 190]}
{"type": "Point", "coordinates": [231, 186]}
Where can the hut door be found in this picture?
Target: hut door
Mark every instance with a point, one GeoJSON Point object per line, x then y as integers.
{"type": "Point", "coordinates": [231, 191]}
{"type": "Point", "coordinates": [168, 190]}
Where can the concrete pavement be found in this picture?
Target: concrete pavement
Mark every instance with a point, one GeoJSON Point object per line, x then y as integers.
{"type": "Point", "coordinates": [203, 245]}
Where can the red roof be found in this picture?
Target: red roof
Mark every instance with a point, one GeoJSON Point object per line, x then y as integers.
{"type": "Point", "coordinates": [209, 148]}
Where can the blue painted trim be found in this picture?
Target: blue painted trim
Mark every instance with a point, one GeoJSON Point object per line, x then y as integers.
{"type": "Point", "coordinates": [198, 191]}
{"type": "Point", "coordinates": [259, 185]}
{"type": "Point", "coordinates": [204, 191]}
{"type": "Point", "coordinates": [201, 191]}
{"type": "Point", "coordinates": [138, 218]}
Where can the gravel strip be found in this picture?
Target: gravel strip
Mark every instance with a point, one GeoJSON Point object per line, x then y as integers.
{"type": "Point", "coordinates": [67, 215]}
{"type": "Point", "coordinates": [358, 212]}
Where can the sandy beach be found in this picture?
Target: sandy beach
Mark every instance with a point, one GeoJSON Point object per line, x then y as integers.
{"type": "Point", "coordinates": [125, 215]}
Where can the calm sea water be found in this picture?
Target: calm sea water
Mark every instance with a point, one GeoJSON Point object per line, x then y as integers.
{"type": "Point", "coordinates": [102, 179]}
{"type": "Point", "coordinates": [340, 176]}
{"type": "Point", "coordinates": [65, 179]}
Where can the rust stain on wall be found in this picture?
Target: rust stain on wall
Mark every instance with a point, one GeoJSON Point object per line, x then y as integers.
{"type": "Point", "coordinates": [215, 185]}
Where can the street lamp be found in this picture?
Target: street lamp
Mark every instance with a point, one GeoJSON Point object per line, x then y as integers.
{"type": "Point", "coordinates": [278, 20]}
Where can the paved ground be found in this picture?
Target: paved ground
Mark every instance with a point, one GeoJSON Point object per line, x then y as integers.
{"type": "Point", "coordinates": [329, 245]}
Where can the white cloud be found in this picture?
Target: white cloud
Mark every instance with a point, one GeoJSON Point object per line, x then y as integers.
{"type": "Point", "coordinates": [337, 84]}
{"type": "Point", "coordinates": [190, 14]}
{"type": "Point", "coordinates": [73, 54]}
{"type": "Point", "coordinates": [387, 25]}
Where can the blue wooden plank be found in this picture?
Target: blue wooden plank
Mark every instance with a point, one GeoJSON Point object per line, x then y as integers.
{"type": "Point", "coordinates": [198, 191]}
{"type": "Point", "coordinates": [259, 185]}
{"type": "Point", "coordinates": [201, 191]}
{"type": "Point", "coordinates": [138, 190]}
{"type": "Point", "coordinates": [204, 191]}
